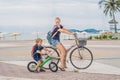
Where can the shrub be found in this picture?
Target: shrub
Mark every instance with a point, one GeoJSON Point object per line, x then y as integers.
{"type": "Point", "coordinates": [110, 36]}
{"type": "Point", "coordinates": [96, 37]}
{"type": "Point", "coordinates": [114, 38]}
{"type": "Point", "coordinates": [104, 36]}
{"type": "Point", "coordinates": [90, 38]}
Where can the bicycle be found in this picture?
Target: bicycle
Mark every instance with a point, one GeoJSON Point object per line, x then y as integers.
{"type": "Point", "coordinates": [52, 65]}
{"type": "Point", "coordinates": [80, 56]}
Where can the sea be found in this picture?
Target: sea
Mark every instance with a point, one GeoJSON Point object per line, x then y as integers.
{"type": "Point", "coordinates": [33, 36]}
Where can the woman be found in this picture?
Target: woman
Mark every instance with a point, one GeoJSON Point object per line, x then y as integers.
{"type": "Point", "coordinates": [58, 28]}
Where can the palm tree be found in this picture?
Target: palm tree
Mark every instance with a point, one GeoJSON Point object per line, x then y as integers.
{"type": "Point", "coordinates": [111, 8]}
{"type": "Point", "coordinates": [119, 1]}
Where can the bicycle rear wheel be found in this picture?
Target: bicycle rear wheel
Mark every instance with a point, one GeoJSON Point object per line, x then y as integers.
{"type": "Point", "coordinates": [82, 59]}
{"type": "Point", "coordinates": [54, 54]}
{"type": "Point", "coordinates": [31, 66]}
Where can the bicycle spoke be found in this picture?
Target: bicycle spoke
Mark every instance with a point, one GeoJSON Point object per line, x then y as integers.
{"type": "Point", "coordinates": [77, 61]}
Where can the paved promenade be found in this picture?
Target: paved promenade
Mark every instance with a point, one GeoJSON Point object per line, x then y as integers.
{"type": "Point", "coordinates": [14, 56]}
{"type": "Point", "coordinates": [17, 72]}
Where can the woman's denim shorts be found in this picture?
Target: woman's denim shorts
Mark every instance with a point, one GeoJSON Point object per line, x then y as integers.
{"type": "Point", "coordinates": [55, 42]}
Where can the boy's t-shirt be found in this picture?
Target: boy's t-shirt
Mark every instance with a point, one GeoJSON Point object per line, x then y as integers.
{"type": "Point", "coordinates": [36, 47]}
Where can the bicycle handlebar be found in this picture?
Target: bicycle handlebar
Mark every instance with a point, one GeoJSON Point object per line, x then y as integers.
{"type": "Point", "coordinates": [75, 35]}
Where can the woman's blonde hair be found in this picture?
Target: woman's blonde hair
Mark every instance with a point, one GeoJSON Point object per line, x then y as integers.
{"type": "Point", "coordinates": [57, 18]}
{"type": "Point", "coordinates": [38, 40]}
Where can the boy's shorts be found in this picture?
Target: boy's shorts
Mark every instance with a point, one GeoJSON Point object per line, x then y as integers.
{"type": "Point", "coordinates": [37, 57]}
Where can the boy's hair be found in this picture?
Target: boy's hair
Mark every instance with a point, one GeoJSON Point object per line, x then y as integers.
{"type": "Point", "coordinates": [38, 40]}
{"type": "Point", "coordinates": [57, 18]}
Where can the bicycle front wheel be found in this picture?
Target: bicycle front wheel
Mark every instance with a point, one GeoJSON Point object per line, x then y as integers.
{"type": "Point", "coordinates": [53, 67]}
{"type": "Point", "coordinates": [81, 58]}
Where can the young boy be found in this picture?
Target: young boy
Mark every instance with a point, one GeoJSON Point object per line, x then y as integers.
{"type": "Point", "coordinates": [36, 53]}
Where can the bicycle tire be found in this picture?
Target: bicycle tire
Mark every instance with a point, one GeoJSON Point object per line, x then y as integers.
{"type": "Point", "coordinates": [56, 54]}
{"type": "Point", "coordinates": [53, 67]}
{"type": "Point", "coordinates": [75, 63]}
{"type": "Point", "coordinates": [29, 67]}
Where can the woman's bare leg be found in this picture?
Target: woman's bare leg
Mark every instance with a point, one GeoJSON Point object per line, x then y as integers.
{"type": "Point", "coordinates": [62, 50]}
{"type": "Point", "coordinates": [64, 56]}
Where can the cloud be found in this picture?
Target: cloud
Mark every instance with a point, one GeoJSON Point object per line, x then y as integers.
{"type": "Point", "coordinates": [84, 13]}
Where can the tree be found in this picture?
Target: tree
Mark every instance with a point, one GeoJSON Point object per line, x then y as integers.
{"type": "Point", "coordinates": [111, 7]}
{"type": "Point", "coordinates": [119, 1]}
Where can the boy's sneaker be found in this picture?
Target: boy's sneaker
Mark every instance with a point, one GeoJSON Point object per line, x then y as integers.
{"type": "Point", "coordinates": [36, 71]}
{"type": "Point", "coordinates": [42, 70]}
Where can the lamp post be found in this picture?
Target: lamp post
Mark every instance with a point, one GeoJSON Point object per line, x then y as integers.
{"type": "Point", "coordinates": [37, 34]}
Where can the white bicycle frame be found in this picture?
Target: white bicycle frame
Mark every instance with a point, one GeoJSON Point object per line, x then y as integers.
{"type": "Point", "coordinates": [71, 47]}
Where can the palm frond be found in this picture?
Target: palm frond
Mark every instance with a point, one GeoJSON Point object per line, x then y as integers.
{"type": "Point", "coordinates": [101, 2]}
{"type": "Point", "coordinates": [111, 12]}
{"type": "Point", "coordinates": [118, 9]}
{"type": "Point", "coordinates": [118, 3]}
{"type": "Point", "coordinates": [110, 6]}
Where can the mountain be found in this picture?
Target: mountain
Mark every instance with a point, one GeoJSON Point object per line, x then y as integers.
{"type": "Point", "coordinates": [86, 30]}
{"type": "Point", "coordinates": [75, 30]}
{"type": "Point", "coordinates": [92, 30]}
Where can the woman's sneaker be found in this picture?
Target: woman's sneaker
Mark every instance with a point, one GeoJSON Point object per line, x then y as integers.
{"type": "Point", "coordinates": [62, 69]}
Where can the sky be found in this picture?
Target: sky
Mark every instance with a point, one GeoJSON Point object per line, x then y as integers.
{"type": "Point", "coordinates": [26, 16]}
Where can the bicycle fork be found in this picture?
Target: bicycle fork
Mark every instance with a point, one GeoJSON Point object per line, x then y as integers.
{"type": "Point", "coordinates": [76, 40]}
